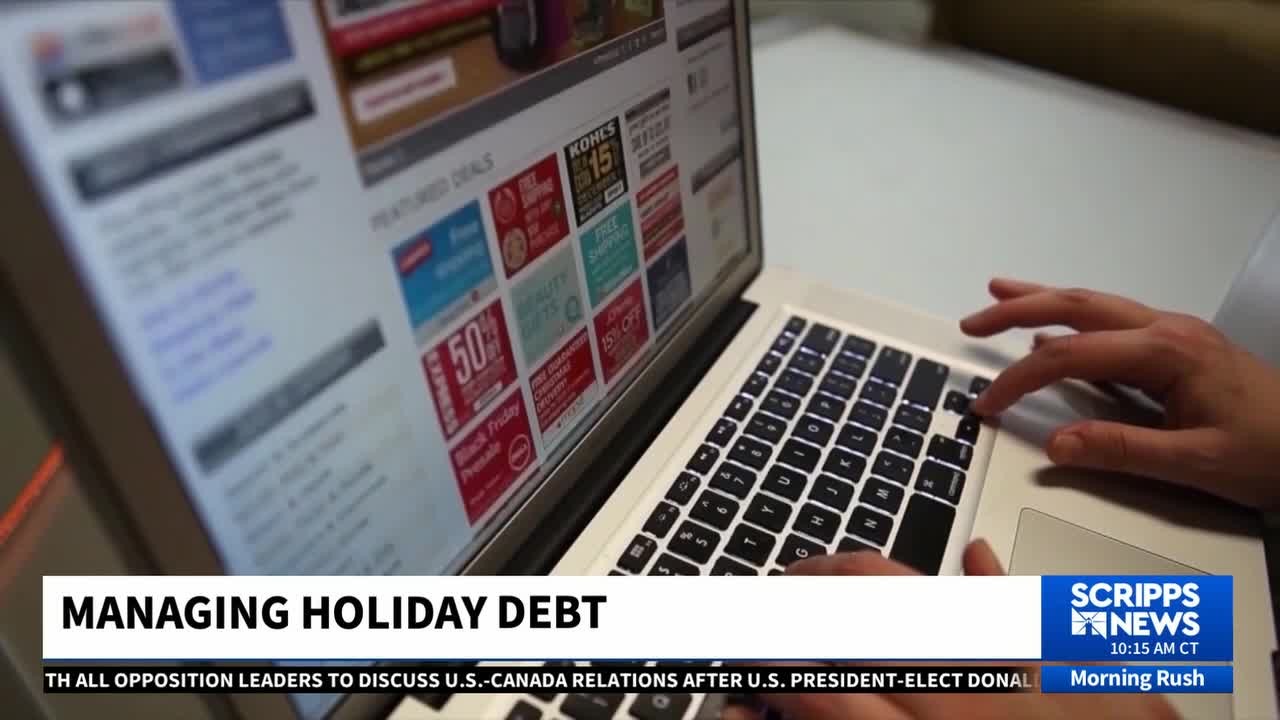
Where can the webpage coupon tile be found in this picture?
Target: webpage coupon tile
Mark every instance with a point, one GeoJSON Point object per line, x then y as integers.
{"type": "Point", "coordinates": [469, 369]}
{"type": "Point", "coordinates": [621, 330]}
{"type": "Point", "coordinates": [609, 253]}
{"type": "Point", "coordinates": [495, 453]}
{"type": "Point", "coordinates": [529, 214]}
{"type": "Point", "coordinates": [564, 387]}
{"type": "Point", "coordinates": [548, 304]}
{"type": "Point", "coordinates": [649, 131]}
{"type": "Point", "coordinates": [597, 170]}
{"type": "Point", "coordinates": [669, 283]}
{"type": "Point", "coordinates": [661, 215]}
{"type": "Point", "coordinates": [445, 270]}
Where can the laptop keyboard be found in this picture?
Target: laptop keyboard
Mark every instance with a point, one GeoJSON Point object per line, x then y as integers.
{"type": "Point", "coordinates": [831, 444]}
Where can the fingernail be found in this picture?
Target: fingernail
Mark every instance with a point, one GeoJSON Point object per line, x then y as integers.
{"type": "Point", "coordinates": [813, 565]}
{"type": "Point", "coordinates": [1065, 448]}
{"type": "Point", "coordinates": [979, 404]}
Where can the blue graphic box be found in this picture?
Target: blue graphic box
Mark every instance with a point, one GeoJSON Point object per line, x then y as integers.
{"type": "Point", "coordinates": [446, 268]}
{"type": "Point", "coordinates": [227, 38]}
{"type": "Point", "coordinates": [1158, 618]}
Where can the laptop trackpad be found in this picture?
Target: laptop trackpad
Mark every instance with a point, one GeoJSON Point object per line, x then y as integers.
{"type": "Point", "coordinates": [1046, 545]}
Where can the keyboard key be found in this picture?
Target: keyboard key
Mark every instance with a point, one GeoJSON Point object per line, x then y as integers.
{"type": "Point", "coordinates": [956, 402]}
{"type": "Point", "coordinates": [767, 512]}
{"type": "Point", "coordinates": [838, 385]}
{"type": "Point", "coordinates": [859, 346]}
{"type": "Point", "coordinates": [794, 382]}
{"type": "Point", "coordinates": [795, 325]}
{"type": "Point", "coordinates": [784, 406]}
{"type": "Point", "coordinates": [739, 408]}
{"type": "Point", "coordinates": [714, 509]}
{"type": "Point", "coordinates": [903, 441]}
{"type": "Point", "coordinates": [723, 432]}
{"type": "Point", "coordinates": [683, 488]}
{"type": "Point", "coordinates": [827, 407]}
{"type": "Point", "coordinates": [848, 544]}
{"type": "Point", "coordinates": [891, 365]}
{"type": "Point", "coordinates": [591, 706]}
{"type": "Point", "coordinates": [800, 455]}
{"type": "Point", "coordinates": [524, 711]}
{"type": "Point", "coordinates": [950, 451]}
{"type": "Point", "coordinates": [694, 542]}
{"type": "Point", "coordinates": [668, 564]}
{"type": "Point", "coordinates": [977, 385]}
{"type": "Point", "coordinates": [922, 539]}
{"type": "Point", "coordinates": [832, 492]}
{"type": "Point", "coordinates": [940, 481]}
{"type": "Point", "coordinates": [806, 362]}
{"type": "Point", "coordinates": [775, 571]}
{"type": "Point", "coordinates": [821, 339]}
{"type": "Point", "coordinates": [750, 544]}
{"type": "Point", "coordinates": [660, 706]}
{"type": "Point", "coordinates": [913, 418]}
{"type": "Point", "coordinates": [842, 463]}
{"type": "Point", "coordinates": [704, 459]}
{"type": "Point", "coordinates": [661, 520]}
{"type": "Point", "coordinates": [733, 479]}
{"type": "Point", "coordinates": [755, 384]}
{"type": "Point", "coordinates": [879, 393]}
{"type": "Point", "coordinates": [769, 364]}
{"type": "Point", "coordinates": [817, 522]}
{"type": "Point", "coordinates": [751, 452]}
{"type": "Point", "coordinates": [927, 381]}
{"type": "Point", "coordinates": [726, 566]}
{"type": "Point", "coordinates": [968, 429]}
{"type": "Point", "coordinates": [815, 430]}
{"type": "Point", "coordinates": [766, 427]}
{"type": "Point", "coordinates": [783, 344]}
{"type": "Point", "coordinates": [869, 415]}
{"type": "Point", "coordinates": [797, 548]}
{"type": "Point", "coordinates": [893, 467]}
{"type": "Point", "coordinates": [785, 482]}
{"type": "Point", "coordinates": [849, 365]}
{"type": "Point", "coordinates": [883, 495]}
{"type": "Point", "coordinates": [870, 525]}
{"type": "Point", "coordinates": [856, 437]}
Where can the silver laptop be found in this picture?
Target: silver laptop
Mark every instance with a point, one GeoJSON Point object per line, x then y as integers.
{"type": "Point", "coordinates": [395, 286]}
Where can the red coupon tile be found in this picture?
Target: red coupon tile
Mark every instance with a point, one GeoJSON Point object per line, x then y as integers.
{"type": "Point", "coordinates": [493, 455]}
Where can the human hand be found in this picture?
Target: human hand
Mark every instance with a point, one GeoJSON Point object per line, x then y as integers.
{"type": "Point", "coordinates": [978, 560]}
{"type": "Point", "coordinates": [1222, 429]}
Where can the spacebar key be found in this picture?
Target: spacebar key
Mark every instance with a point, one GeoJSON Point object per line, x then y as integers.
{"type": "Point", "coordinates": [923, 534]}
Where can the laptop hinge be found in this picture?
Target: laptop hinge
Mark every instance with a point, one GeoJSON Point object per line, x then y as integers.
{"type": "Point", "coordinates": [552, 538]}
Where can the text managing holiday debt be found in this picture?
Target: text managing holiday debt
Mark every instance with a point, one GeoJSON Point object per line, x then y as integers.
{"type": "Point", "coordinates": [346, 612]}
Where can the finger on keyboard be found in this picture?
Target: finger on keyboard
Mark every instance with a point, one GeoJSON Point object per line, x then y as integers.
{"type": "Point", "coordinates": [857, 563]}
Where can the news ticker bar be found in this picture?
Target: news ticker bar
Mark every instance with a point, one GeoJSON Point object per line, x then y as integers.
{"type": "Point", "coordinates": [640, 679]}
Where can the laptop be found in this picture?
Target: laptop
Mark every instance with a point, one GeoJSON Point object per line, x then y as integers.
{"type": "Point", "coordinates": [478, 286]}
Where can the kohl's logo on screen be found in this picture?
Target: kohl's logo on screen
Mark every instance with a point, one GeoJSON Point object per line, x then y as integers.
{"type": "Point", "coordinates": [1156, 618]}
{"type": "Point", "coordinates": [1135, 609]}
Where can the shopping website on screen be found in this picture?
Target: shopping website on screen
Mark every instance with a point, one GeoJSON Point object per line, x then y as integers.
{"type": "Point", "coordinates": [373, 264]}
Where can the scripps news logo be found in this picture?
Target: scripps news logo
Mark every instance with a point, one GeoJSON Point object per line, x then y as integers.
{"type": "Point", "coordinates": [1142, 609]}
{"type": "Point", "coordinates": [1136, 617]}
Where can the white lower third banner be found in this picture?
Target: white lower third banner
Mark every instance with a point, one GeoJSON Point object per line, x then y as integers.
{"type": "Point", "coordinates": [539, 618]}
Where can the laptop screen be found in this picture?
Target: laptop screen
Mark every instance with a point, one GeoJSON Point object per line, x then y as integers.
{"type": "Point", "coordinates": [373, 266]}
